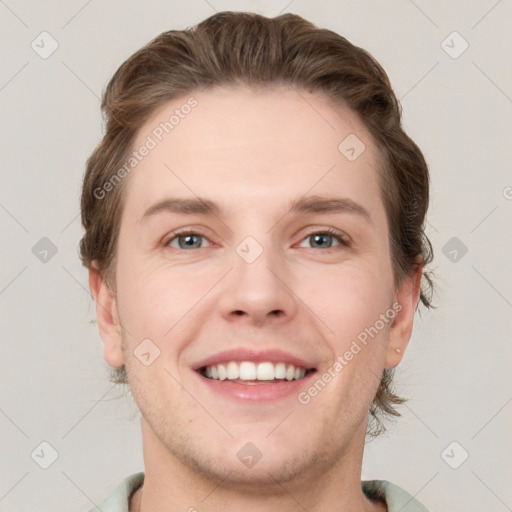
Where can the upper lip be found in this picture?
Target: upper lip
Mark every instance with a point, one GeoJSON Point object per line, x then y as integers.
{"type": "Point", "coordinates": [254, 355]}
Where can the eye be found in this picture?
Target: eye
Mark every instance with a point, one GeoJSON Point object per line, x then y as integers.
{"type": "Point", "coordinates": [186, 240]}
{"type": "Point", "coordinates": [325, 239]}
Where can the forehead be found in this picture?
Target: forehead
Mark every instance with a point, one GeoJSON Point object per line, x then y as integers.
{"type": "Point", "coordinates": [267, 144]}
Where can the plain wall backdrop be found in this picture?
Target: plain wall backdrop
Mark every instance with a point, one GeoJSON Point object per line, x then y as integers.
{"type": "Point", "coordinates": [449, 64]}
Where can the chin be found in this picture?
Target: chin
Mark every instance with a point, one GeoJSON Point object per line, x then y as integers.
{"type": "Point", "coordinates": [246, 467]}
{"type": "Point", "coordinates": [263, 474]}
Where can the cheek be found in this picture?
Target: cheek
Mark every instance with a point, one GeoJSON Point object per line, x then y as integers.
{"type": "Point", "coordinates": [357, 315]}
{"type": "Point", "coordinates": [160, 302]}
{"type": "Point", "coordinates": [145, 301]}
{"type": "Point", "coordinates": [348, 299]}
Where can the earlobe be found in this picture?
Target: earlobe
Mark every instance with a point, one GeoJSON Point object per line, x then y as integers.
{"type": "Point", "coordinates": [406, 300]}
{"type": "Point", "coordinates": [106, 314]}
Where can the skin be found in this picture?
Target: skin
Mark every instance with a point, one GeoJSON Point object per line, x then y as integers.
{"type": "Point", "coordinates": [253, 152]}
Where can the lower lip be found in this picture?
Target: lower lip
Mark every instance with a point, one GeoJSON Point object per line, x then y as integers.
{"type": "Point", "coordinates": [256, 392]}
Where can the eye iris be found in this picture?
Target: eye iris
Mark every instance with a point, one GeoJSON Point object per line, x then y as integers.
{"type": "Point", "coordinates": [190, 241]}
{"type": "Point", "coordinates": [321, 237]}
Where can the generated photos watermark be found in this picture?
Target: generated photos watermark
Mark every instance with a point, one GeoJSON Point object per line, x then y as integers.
{"type": "Point", "coordinates": [152, 140]}
{"type": "Point", "coordinates": [361, 340]}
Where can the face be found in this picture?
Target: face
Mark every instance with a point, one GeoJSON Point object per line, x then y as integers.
{"type": "Point", "coordinates": [253, 246]}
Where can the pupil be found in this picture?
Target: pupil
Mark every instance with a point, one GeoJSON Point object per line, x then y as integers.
{"type": "Point", "coordinates": [319, 238]}
{"type": "Point", "coordinates": [189, 240]}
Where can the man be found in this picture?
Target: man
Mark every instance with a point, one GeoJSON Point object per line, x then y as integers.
{"type": "Point", "coordinates": [254, 236]}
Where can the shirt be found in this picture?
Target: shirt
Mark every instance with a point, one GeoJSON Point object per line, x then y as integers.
{"type": "Point", "coordinates": [396, 498]}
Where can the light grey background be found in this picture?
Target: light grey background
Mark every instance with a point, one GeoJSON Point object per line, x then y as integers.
{"type": "Point", "coordinates": [457, 368]}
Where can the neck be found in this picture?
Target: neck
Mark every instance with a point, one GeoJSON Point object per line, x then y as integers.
{"type": "Point", "coordinates": [169, 484]}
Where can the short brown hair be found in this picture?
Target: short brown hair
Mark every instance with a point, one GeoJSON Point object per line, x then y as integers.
{"type": "Point", "coordinates": [238, 48]}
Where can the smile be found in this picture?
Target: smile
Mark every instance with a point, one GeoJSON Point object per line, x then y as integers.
{"type": "Point", "coordinates": [246, 372]}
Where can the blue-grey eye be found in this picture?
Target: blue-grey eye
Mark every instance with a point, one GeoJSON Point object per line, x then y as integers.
{"type": "Point", "coordinates": [187, 241]}
{"type": "Point", "coordinates": [323, 240]}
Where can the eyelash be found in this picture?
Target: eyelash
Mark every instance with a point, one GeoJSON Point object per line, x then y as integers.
{"type": "Point", "coordinates": [342, 239]}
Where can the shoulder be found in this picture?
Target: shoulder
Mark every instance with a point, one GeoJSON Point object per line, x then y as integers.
{"type": "Point", "coordinates": [118, 500]}
{"type": "Point", "coordinates": [396, 498]}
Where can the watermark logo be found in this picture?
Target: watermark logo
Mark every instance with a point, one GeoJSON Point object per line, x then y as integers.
{"type": "Point", "coordinates": [454, 249]}
{"type": "Point", "coordinates": [249, 249]}
{"type": "Point", "coordinates": [454, 45]}
{"type": "Point", "coordinates": [44, 250]}
{"type": "Point", "coordinates": [147, 352]}
{"type": "Point", "coordinates": [454, 455]}
{"type": "Point", "coordinates": [45, 45]}
{"type": "Point", "coordinates": [44, 455]}
{"type": "Point", "coordinates": [351, 147]}
{"type": "Point", "coordinates": [249, 455]}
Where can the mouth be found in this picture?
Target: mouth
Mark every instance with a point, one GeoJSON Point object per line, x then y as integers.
{"type": "Point", "coordinates": [249, 375]}
{"type": "Point", "coordinates": [255, 373]}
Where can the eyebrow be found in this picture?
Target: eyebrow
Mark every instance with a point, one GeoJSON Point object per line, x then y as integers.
{"type": "Point", "coordinates": [321, 204]}
{"type": "Point", "coordinates": [310, 204]}
{"type": "Point", "coordinates": [183, 206]}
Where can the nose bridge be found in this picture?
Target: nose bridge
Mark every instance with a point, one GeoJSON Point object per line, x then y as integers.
{"type": "Point", "coordinates": [257, 283]}
{"type": "Point", "coordinates": [256, 264]}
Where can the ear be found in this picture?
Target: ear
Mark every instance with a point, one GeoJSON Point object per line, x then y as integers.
{"type": "Point", "coordinates": [405, 302]}
{"type": "Point", "coordinates": [106, 314]}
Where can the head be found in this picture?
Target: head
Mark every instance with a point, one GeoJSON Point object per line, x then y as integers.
{"type": "Point", "coordinates": [254, 114]}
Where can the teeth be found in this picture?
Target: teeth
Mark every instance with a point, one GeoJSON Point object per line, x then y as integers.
{"type": "Point", "coordinates": [247, 370]}
{"type": "Point", "coordinates": [265, 371]}
{"type": "Point", "coordinates": [280, 370]}
{"type": "Point", "coordinates": [233, 372]}
{"type": "Point", "coordinates": [222, 372]}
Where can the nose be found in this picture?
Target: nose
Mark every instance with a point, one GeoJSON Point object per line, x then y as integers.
{"type": "Point", "coordinates": [258, 292]}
